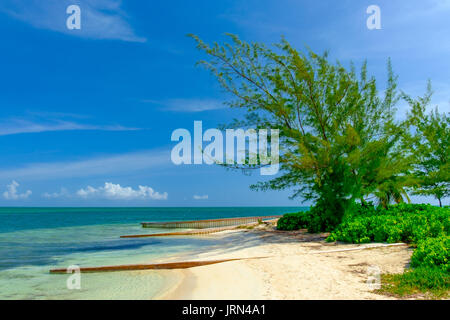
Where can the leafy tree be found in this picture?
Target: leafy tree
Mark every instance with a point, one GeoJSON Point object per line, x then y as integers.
{"type": "Point", "coordinates": [431, 145]}
{"type": "Point", "coordinates": [339, 140]}
{"type": "Point", "coordinates": [393, 191]}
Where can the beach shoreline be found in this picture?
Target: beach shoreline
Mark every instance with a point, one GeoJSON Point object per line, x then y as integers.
{"type": "Point", "coordinates": [286, 265]}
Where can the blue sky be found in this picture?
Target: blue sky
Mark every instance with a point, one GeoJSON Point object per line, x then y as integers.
{"type": "Point", "coordinates": [86, 115]}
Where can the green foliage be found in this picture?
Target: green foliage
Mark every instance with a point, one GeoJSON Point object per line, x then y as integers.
{"type": "Point", "coordinates": [433, 252]}
{"type": "Point", "coordinates": [321, 217]}
{"type": "Point", "coordinates": [419, 280]}
{"type": "Point", "coordinates": [339, 143]}
{"type": "Point", "coordinates": [339, 138]}
{"type": "Point", "coordinates": [393, 191]}
{"type": "Point", "coordinates": [325, 216]}
{"type": "Point", "coordinates": [353, 231]}
{"type": "Point", "coordinates": [358, 210]}
{"type": "Point", "coordinates": [404, 222]}
{"type": "Point", "coordinates": [430, 144]}
{"type": "Point", "coordinates": [294, 221]}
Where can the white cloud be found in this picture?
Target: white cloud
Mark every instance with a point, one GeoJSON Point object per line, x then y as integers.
{"type": "Point", "coordinates": [188, 105]}
{"type": "Point", "coordinates": [62, 193]}
{"type": "Point", "coordinates": [115, 164]}
{"type": "Point", "coordinates": [18, 126]}
{"type": "Point", "coordinates": [12, 193]}
{"type": "Point", "coordinates": [100, 19]}
{"type": "Point", "coordinates": [117, 192]}
{"type": "Point", "coordinates": [204, 197]}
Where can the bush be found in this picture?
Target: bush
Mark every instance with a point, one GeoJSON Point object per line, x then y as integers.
{"type": "Point", "coordinates": [319, 218]}
{"type": "Point", "coordinates": [359, 210]}
{"type": "Point", "coordinates": [294, 221]}
{"type": "Point", "coordinates": [433, 252]}
{"type": "Point", "coordinates": [367, 229]}
{"type": "Point", "coordinates": [322, 217]}
{"type": "Point", "coordinates": [355, 231]}
{"type": "Point", "coordinates": [404, 222]}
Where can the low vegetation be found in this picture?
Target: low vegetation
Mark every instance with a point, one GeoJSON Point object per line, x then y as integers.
{"type": "Point", "coordinates": [407, 223]}
{"type": "Point", "coordinates": [426, 282]}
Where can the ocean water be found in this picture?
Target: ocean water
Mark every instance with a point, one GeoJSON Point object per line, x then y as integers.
{"type": "Point", "coordinates": [35, 240]}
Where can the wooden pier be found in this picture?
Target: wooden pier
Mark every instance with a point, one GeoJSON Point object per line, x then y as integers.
{"type": "Point", "coordinates": [182, 233]}
{"type": "Point", "coordinates": [203, 224]}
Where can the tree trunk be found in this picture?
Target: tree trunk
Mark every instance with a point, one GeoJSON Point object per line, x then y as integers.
{"type": "Point", "coordinates": [440, 203]}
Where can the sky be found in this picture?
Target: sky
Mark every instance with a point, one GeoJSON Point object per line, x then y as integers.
{"type": "Point", "coordinates": [86, 115]}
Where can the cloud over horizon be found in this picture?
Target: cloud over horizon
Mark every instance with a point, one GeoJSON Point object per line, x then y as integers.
{"type": "Point", "coordinates": [113, 191]}
{"type": "Point", "coordinates": [13, 194]}
{"type": "Point", "coordinates": [62, 193]}
{"type": "Point", "coordinates": [197, 197]}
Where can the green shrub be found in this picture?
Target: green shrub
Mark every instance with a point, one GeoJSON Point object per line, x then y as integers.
{"type": "Point", "coordinates": [352, 231]}
{"type": "Point", "coordinates": [367, 229]}
{"type": "Point", "coordinates": [404, 222]}
{"type": "Point", "coordinates": [359, 210]}
{"type": "Point", "coordinates": [386, 228]}
{"type": "Point", "coordinates": [322, 217]}
{"type": "Point", "coordinates": [294, 221]}
{"type": "Point", "coordinates": [433, 252]}
{"type": "Point", "coordinates": [319, 218]}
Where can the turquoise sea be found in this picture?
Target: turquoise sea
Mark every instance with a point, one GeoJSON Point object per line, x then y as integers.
{"type": "Point", "coordinates": [35, 240]}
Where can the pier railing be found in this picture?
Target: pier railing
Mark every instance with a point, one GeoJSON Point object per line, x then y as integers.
{"type": "Point", "coordinates": [211, 223]}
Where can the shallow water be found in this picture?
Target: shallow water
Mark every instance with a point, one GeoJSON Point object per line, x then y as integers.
{"type": "Point", "coordinates": [33, 241]}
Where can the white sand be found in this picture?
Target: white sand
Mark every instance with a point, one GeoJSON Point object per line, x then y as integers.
{"type": "Point", "coordinates": [292, 269]}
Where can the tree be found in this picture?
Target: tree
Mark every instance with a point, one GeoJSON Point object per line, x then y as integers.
{"type": "Point", "coordinates": [430, 144]}
{"type": "Point", "coordinates": [392, 191]}
{"type": "Point", "coordinates": [338, 138]}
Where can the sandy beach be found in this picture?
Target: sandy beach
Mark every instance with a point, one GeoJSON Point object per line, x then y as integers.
{"type": "Point", "coordinates": [286, 265]}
